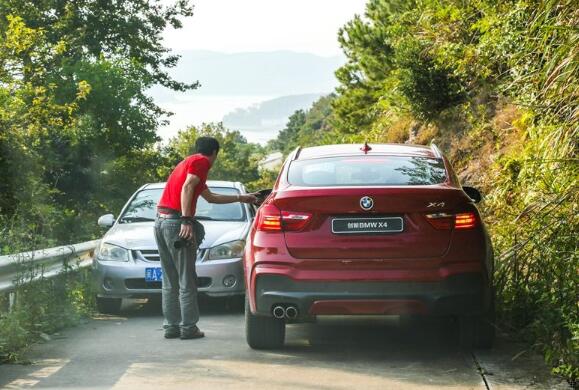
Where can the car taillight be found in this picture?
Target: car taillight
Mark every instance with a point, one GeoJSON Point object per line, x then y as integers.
{"type": "Point", "coordinates": [440, 221]}
{"type": "Point", "coordinates": [293, 221]}
{"type": "Point", "coordinates": [465, 221]}
{"type": "Point", "coordinates": [271, 219]}
{"type": "Point", "coordinates": [445, 221]}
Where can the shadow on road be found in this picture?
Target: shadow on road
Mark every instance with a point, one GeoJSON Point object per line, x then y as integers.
{"type": "Point", "coordinates": [370, 332]}
{"type": "Point", "coordinates": [129, 351]}
{"type": "Point", "coordinates": [366, 332]}
{"type": "Point", "coordinates": [371, 351]}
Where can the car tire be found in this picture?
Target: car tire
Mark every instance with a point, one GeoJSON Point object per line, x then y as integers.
{"type": "Point", "coordinates": [478, 331]}
{"type": "Point", "coordinates": [263, 332]}
{"type": "Point", "coordinates": [109, 305]}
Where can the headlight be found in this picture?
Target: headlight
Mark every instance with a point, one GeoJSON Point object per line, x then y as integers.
{"type": "Point", "coordinates": [229, 250]}
{"type": "Point", "coordinates": [110, 252]}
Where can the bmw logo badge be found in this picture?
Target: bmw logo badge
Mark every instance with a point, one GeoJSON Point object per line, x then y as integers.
{"type": "Point", "coordinates": [367, 203]}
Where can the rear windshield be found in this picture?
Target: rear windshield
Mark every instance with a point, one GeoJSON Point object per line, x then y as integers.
{"type": "Point", "coordinates": [367, 171]}
{"type": "Point", "coordinates": [144, 207]}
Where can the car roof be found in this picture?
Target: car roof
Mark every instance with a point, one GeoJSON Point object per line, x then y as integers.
{"type": "Point", "coordinates": [376, 149]}
{"type": "Point", "coordinates": [210, 183]}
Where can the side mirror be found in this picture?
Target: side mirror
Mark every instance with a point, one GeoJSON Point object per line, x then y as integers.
{"type": "Point", "coordinates": [472, 193]}
{"type": "Point", "coordinates": [106, 220]}
{"type": "Point", "coordinates": [261, 195]}
{"type": "Point", "coordinates": [264, 193]}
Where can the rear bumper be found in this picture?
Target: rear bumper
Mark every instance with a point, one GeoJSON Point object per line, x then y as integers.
{"type": "Point", "coordinates": [462, 294]}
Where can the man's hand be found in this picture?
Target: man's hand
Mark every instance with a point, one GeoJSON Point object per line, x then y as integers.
{"type": "Point", "coordinates": [186, 231]}
{"type": "Point", "coordinates": [248, 198]}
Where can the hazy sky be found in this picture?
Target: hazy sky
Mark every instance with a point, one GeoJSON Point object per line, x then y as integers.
{"type": "Point", "coordinates": [265, 25]}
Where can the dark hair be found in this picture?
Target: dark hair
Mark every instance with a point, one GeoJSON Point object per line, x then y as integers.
{"type": "Point", "coordinates": [206, 145]}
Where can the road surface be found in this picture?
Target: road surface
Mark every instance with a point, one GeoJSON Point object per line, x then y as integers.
{"type": "Point", "coordinates": [129, 352]}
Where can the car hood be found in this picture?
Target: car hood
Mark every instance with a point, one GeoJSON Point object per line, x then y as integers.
{"type": "Point", "coordinates": [140, 235]}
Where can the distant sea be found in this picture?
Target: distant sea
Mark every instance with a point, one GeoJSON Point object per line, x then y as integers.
{"type": "Point", "coordinates": [236, 84]}
{"type": "Point", "coordinates": [192, 110]}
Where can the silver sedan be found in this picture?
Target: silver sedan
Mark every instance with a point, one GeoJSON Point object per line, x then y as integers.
{"type": "Point", "coordinates": [126, 264]}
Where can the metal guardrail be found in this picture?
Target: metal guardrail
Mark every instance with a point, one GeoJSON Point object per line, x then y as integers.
{"type": "Point", "coordinates": [45, 263]}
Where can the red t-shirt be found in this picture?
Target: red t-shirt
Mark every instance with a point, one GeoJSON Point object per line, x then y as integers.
{"type": "Point", "coordinates": [197, 165]}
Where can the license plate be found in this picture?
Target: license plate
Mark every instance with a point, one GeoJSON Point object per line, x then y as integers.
{"type": "Point", "coordinates": [153, 274]}
{"type": "Point", "coordinates": [367, 225]}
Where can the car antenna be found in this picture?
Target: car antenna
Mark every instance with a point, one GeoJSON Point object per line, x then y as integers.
{"type": "Point", "coordinates": [366, 148]}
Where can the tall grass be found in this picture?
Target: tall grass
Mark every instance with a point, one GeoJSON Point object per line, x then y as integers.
{"type": "Point", "coordinates": [42, 305]}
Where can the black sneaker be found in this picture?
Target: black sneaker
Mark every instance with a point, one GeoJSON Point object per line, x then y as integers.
{"type": "Point", "coordinates": [172, 333]}
{"type": "Point", "coordinates": [194, 333]}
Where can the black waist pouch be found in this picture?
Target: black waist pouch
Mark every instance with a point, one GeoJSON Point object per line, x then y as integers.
{"type": "Point", "coordinates": [199, 232]}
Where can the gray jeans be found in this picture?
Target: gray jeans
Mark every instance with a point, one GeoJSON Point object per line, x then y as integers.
{"type": "Point", "coordinates": [180, 306]}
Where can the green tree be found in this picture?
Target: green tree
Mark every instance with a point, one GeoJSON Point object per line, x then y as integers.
{"type": "Point", "coordinates": [307, 128]}
{"type": "Point", "coordinates": [288, 138]}
{"type": "Point", "coordinates": [237, 161]}
{"type": "Point", "coordinates": [73, 77]}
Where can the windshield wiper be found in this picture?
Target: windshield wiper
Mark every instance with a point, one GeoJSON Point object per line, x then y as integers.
{"type": "Point", "coordinates": [204, 218]}
{"type": "Point", "coordinates": [137, 219]}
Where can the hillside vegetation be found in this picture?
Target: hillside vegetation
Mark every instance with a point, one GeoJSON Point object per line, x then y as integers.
{"type": "Point", "coordinates": [495, 85]}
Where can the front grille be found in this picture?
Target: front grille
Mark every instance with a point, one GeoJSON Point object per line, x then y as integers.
{"type": "Point", "coordinates": [150, 255]}
{"type": "Point", "coordinates": [142, 284]}
{"type": "Point", "coordinates": [153, 254]}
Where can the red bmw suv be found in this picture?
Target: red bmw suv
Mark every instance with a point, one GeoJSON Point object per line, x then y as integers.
{"type": "Point", "coordinates": [371, 229]}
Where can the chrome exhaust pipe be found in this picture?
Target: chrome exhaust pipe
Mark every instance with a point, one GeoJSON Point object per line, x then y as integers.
{"type": "Point", "coordinates": [278, 312]}
{"type": "Point", "coordinates": [291, 312]}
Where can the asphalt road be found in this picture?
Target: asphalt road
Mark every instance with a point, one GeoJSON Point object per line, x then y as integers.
{"type": "Point", "coordinates": [129, 352]}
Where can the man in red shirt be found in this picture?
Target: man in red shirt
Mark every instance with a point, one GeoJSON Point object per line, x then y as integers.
{"type": "Point", "coordinates": [175, 233]}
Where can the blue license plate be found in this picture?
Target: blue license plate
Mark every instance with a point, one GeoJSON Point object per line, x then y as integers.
{"type": "Point", "coordinates": [153, 274]}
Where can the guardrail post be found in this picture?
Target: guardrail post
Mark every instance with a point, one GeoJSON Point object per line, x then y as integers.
{"type": "Point", "coordinates": [11, 300]}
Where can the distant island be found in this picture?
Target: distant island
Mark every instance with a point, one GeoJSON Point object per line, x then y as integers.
{"type": "Point", "coordinates": [269, 116]}
{"type": "Point", "coordinates": [254, 92]}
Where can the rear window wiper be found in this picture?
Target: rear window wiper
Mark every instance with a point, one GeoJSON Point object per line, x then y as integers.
{"type": "Point", "coordinates": [137, 219]}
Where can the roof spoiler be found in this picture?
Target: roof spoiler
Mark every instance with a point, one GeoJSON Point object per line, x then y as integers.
{"type": "Point", "coordinates": [435, 150]}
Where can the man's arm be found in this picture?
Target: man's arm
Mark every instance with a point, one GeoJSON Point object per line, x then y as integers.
{"type": "Point", "coordinates": [221, 199]}
{"type": "Point", "coordinates": [186, 203]}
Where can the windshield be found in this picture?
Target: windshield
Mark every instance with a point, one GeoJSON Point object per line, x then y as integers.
{"type": "Point", "coordinates": [143, 207]}
{"type": "Point", "coordinates": [367, 171]}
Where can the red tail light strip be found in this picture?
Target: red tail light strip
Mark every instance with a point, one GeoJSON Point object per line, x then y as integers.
{"type": "Point", "coordinates": [292, 221]}
{"type": "Point", "coordinates": [441, 221]}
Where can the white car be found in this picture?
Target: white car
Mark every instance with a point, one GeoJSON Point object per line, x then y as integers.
{"type": "Point", "coordinates": [126, 263]}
